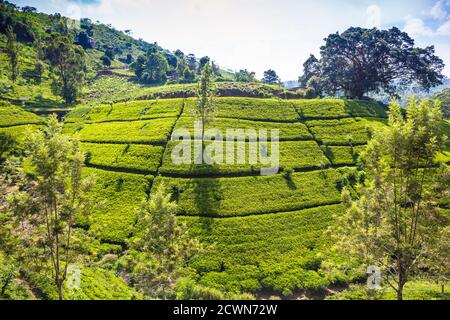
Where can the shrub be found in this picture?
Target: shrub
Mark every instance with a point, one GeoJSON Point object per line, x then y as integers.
{"type": "Point", "coordinates": [287, 173]}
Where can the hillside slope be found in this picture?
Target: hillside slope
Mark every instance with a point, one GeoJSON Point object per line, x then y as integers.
{"type": "Point", "coordinates": [265, 234]}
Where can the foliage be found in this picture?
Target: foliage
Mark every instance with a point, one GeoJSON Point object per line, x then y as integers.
{"type": "Point", "coordinates": [244, 76]}
{"type": "Point", "coordinates": [362, 60]}
{"type": "Point", "coordinates": [149, 131]}
{"type": "Point", "coordinates": [163, 244]}
{"type": "Point", "coordinates": [343, 155]}
{"type": "Point", "coordinates": [55, 197]}
{"type": "Point", "coordinates": [347, 131]}
{"type": "Point", "coordinates": [321, 108]}
{"type": "Point", "coordinates": [394, 224]}
{"type": "Point", "coordinates": [311, 68]}
{"type": "Point", "coordinates": [414, 290]}
{"type": "Point", "coordinates": [132, 110]}
{"type": "Point", "coordinates": [13, 53]}
{"type": "Point", "coordinates": [287, 130]}
{"type": "Point", "coordinates": [242, 260]}
{"type": "Point", "coordinates": [292, 154]}
{"type": "Point", "coordinates": [251, 109]}
{"type": "Point", "coordinates": [6, 143]}
{"type": "Point", "coordinates": [223, 197]}
{"type": "Point", "coordinates": [444, 97]}
{"type": "Point", "coordinates": [145, 158]}
{"type": "Point", "coordinates": [270, 77]}
{"type": "Point", "coordinates": [13, 116]}
{"type": "Point", "coordinates": [68, 63]}
{"type": "Point", "coordinates": [118, 196]}
{"type": "Point", "coordinates": [205, 104]}
{"type": "Point", "coordinates": [151, 68]}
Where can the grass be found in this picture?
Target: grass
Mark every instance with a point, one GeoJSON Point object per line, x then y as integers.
{"type": "Point", "coordinates": [118, 196]}
{"type": "Point", "coordinates": [243, 259]}
{"type": "Point", "coordinates": [321, 108]}
{"type": "Point", "coordinates": [292, 154]}
{"type": "Point", "coordinates": [250, 109]}
{"type": "Point", "coordinates": [133, 110]}
{"type": "Point", "coordinates": [287, 131]}
{"type": "Point", "coordinates": [148, 131]}
{"type": "Point", "coordinates": [128, 157]}
{"type": "Point", "coordinates": [13, 116]}
{"type": "Point", "coordinates": [226, 197]}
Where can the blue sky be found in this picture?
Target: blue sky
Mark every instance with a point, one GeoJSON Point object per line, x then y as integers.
{"type": "Point", "coordinates": [260, 34]}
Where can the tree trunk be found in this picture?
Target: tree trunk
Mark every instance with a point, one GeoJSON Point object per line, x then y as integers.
{"type": "Point", "coordinates": [60, 291]}
{"type": "Point", "coordinates": [400, 291]}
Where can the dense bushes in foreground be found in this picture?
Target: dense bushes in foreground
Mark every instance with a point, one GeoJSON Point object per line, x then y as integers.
{"type": "Point", "coordinates": [118, 196]}
{"type": "Point", "coordinates": [242, 258]}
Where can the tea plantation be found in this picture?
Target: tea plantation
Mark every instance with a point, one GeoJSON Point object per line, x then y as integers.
{"type": "Point", "coordinates": [263, 234]}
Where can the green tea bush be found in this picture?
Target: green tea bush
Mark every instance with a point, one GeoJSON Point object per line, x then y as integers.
{"type": "Point", "coordinates": [250, 109]}
{"type": "Point", "coordinates": [321, 108]}
{"type": "Point", "coordinates": [13, 116]}
{"type": "Point", "coordinates": [255, 194]}
{"type": "Point", "coordinates": [124, 156]}
{"type": "Point", "coordinates": [287, 131]}
{"type": "Point", "coordinates": [341, 131]}
{"type": "Point", "coordinates": [133, 110]}
{"type": "Point", "coordinates": [148, 131]}
{"type": "Point", "coordinates": [363, 108]}
{"type": "Point", "coordinates": [118, 196]}
{"type": "Point", "coordinates": [343, 155]}
{"type": "Point", "coordinates": [242, 259]}
{"type": "Point", "coordinates": [293, 154]}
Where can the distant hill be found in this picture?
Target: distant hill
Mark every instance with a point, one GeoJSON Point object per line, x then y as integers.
{"type": "Point", "coordinates": [444, 97]}
{"type": "Point", "coordinates": [413, 90]}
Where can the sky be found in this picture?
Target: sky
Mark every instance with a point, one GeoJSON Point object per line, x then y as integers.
{"type": "Point", "coordinates": [260, 34]}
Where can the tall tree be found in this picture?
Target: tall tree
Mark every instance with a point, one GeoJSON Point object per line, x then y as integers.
{"type": "Point", "coordinates": [12, 50]}
{"type": "Point", "coordinates": [203, 61]}
{"type": "Point", "coordinates": [362, 60]}
{"type": "Point", "coordinates": [205, 94]}
{"type": "Point", "coordinates": [396, 224]}
{"type": "Point", "coordinates": [270, 77]}
{"type": "Point", "coordinates": [54, 196]}
{"type": "Point", "coordinates": [311, 68]}
{"type": "Point", "coordinates": [161, 247]}
{"type": "Point", "coordinates": [68, 63]}
{"type": "Point", "coordinates": [244, 76]}
{"type": "Point", "coordinates": [151, 68]}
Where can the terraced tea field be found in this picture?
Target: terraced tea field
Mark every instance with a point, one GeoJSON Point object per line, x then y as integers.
{"type": "Point", "coordinates": [262, 232]}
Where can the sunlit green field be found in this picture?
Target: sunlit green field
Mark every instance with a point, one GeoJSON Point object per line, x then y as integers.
{"type": "Point", "coordinates": [262, 233]}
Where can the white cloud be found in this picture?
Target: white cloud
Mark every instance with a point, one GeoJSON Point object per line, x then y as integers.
{"type": "Point", "coordinates": [373, 16]}
{"type": "Point", "coordinates": [438, 11]}
{"type": "Point", "coordinates": [416, 27]}
{"type": "Point", "coordinates": [444, 29]}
